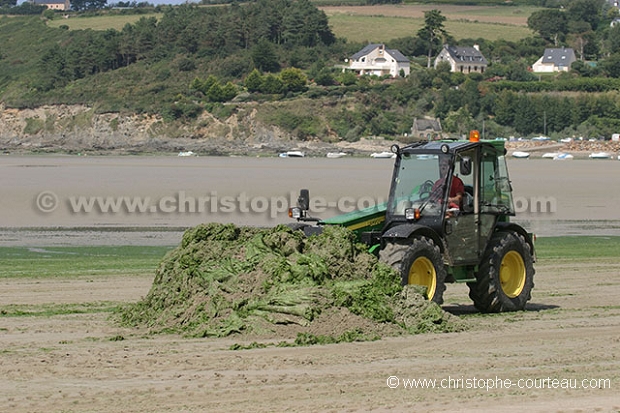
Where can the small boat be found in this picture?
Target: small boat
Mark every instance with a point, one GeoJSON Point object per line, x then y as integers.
{"type": "Point", "coordinates": [292, 154]}
{"type": "Point", "coordinates": [600, 155]}
{"type": "Point", "coordinates": [382, 155]}
{"type": "Point", "coordinates": [186, 153]}
{"type": "Point", "coordinates": [520, 155]}
{"type": "Point", "coordinates": [563, 157]}
{"type": "Point", "coordinates": [336, 154]}
{"type": "Point", "coordinates": [550, 155]}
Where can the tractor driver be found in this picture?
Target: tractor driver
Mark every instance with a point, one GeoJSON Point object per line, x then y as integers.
{"type": "Point", "coordinates": [457, 189]}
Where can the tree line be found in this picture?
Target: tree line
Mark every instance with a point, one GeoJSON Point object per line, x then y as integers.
{"type": "Point", "coordinates": [216, 34]}
{"type": "Point", "coordinates": [284, 49]}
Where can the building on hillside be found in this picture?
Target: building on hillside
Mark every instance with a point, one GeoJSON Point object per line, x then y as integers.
{"type": "Point", "coordinates": [555, 60]}
{"type": "Point", "coordinates": [462, 59]}
{"type": "Point", "coordinates": [428, 129]}
{"type": "Point", "coordinates": [62, 5]}
{"type": "Point", "coordinates": [376, 59]}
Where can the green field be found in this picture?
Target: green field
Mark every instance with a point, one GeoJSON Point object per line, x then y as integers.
{"type": "Point", "coordinates": [578, 248]}
{"type": "Point", "coordinates": [79, 261]}
{"type": "Point", "coordinates": [142, 260]}
{"type": "Point", "coordinates": [382, 29]}
{"type": "Point", "coordinates": [363, 28]}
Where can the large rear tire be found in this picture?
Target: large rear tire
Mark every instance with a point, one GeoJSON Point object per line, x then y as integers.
{"type": "Point", "coordinates": [419, 263]}
{"type": "Point", "coordinates": [506, 275]}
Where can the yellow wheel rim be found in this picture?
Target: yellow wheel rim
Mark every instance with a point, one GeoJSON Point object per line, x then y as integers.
{"type": "Point", "coordinates": [512, 274]}
{"type": "Point", "coordinates": [422, 272]}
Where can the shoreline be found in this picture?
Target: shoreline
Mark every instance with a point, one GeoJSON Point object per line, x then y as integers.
{"type": "Point", "coordinates": [146, 200]}
{"type": "Point", "coordinates": [217, 148]}
{"type": "Point", "coordinates": [362, 148]}
{"type": "Point", "coordinates": [171, 236]}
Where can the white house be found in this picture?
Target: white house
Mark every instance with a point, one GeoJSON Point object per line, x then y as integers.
{"type": "Point", "coordinates": [555, 60]}
{"type": "Point", "coordinates": [462, 59]}
{"type": "Point", "coordinates": [53, 4]}
{"type": "Point", "coordinates": [376, 59]}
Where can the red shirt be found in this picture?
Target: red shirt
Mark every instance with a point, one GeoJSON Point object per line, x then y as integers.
{"type": "Point", "coordinates": [456, 188]}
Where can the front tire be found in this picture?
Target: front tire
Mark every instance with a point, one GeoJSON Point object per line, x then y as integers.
{"type": "Point", "coordinates": [418, 263]}
{"type": "Point", "coordinates": [506, 276]}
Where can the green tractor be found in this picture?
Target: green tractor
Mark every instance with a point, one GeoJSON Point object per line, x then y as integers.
{"type": "Point", "coordinates": [434, 230]}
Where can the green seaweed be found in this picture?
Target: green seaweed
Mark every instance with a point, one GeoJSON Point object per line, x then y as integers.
{"type": "Point", "coordinates": [224, 280]}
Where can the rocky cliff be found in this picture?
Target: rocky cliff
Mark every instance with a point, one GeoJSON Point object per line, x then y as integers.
{"type": "Point", "coordinates": [76, 129]}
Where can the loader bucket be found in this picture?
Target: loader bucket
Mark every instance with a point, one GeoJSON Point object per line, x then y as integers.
{"type": "Point", "coordinates": [361, 220]}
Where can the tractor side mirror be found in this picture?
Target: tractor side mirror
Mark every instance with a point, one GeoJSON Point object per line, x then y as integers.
{"type": "Point", "coordinates": [465, 166]}
{"type": "Point", "coordinates": [304, 199]}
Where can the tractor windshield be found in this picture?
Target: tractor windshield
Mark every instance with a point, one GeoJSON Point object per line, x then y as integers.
{"type": "Point", "coordinates": [420, 184]}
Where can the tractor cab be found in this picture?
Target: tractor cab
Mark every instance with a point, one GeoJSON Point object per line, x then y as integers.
{"type": "Point", "coordinates": [460, 190]}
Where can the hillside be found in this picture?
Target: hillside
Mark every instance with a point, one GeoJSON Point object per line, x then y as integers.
{"type": "Point", "coordinates": [195, 79]}
{"type": "Point", "coordinates": [78, 130]}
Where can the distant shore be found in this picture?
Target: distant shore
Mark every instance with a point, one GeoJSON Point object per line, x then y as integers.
{"type": "Point", "coordinates": [580, 149]}
{"type": "Point", "coordinates": [164, 195]}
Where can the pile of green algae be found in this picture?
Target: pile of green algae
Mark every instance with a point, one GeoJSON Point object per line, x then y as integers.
{"type": "Point", "coordinates": [224, 280]}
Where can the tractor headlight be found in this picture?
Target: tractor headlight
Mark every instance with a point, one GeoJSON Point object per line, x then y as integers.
{"type": "Point", "coordinates": [294, 212]}
{"type": "Point", "coordinates": [412, 214]}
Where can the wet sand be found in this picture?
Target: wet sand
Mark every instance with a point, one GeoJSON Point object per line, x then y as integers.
{"type": "Point", "coordinates": [158, 197]}
{"type": "Point", "coordinates": [80, 361]}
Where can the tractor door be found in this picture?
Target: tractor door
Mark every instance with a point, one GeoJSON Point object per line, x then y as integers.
{"type": "Point", "coordinates": [489, 199]}
{"type": "Point", "coordinates": [494, 194]}
{"type": "Point", "coordinates": [462, 229]}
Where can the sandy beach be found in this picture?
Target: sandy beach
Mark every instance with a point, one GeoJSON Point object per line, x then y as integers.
{"type": "Point", "coordinates": [84, 363]}
{"type": "Point", "coordinates": [151, 199]}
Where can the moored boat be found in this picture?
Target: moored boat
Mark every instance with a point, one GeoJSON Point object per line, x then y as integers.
{"type": "Point", "coordinates": [383, 155]}
{"type": "Point", "coordinates": [336, 154]}
{"type": "Point", "coordinates": [520, 155]}
{"type": "Point", "coordinates": [600, 155]}
{"type": "Point", "coordinates": [292, 154]}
